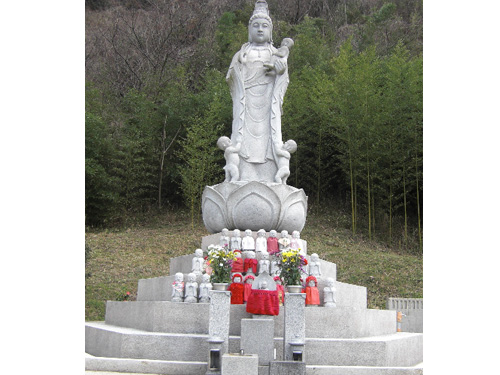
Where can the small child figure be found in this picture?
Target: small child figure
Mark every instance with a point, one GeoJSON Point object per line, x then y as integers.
{"type": "Point", "coordinates": [248, 243]}
{"type": "Point", "coordinates": [236, 240]}
{"type": "Point", "coordinates": [280, 289]}
{"type": "Point", "coordinates": [297, 244]}
{"type": "Point", "coordinates": [272, 243]}
{"type": "Point", "coordinates": [281, 54]}
{"type": "Point", "coordinates": [197, 263]}
{"type": "Point", "coordinates": [248, 286]}
{"type": "Point", "coordinates": [232, 158]}
{"type": "Point", "coordinates": [191, 289]}
{"type": "Point", "coordinates": [283, 153]}
{"type": "Point", "coordinates": [314, 266]}
{"type": "Point", "coordinates": [330, 292]}
{"type": "Point", "coordinates": [237, 290]}
{"type": "Point", "coordinates": [264, 263]}
{"type": "Point", "coordinates": [260, 243]}
{"type": "Point", "coordinates": [312, 292]}
{"type": "Point", "coordinates": [178, 288]}
{"type": "Point", "coordinates": [205, 288]}
{"type": "Point", "coordinates": [250, 263]}
{"type": "Point", "coordinates": [224, 238]}
{"type": "Point", "coordinates": [237, 263]}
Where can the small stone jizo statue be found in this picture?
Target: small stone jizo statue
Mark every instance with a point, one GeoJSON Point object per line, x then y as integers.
{"type": "Point", "coordinates": [330, 293]}
{"type": "Point", "coordinates": [178, 288]}
{"type": "Point", "coordinates": [205, 288]}
{"type": "Point", "coordinates": [191, 291]}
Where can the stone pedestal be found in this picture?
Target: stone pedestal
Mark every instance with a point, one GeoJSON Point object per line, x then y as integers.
{"type": "Point", "coordinates": [287, 368]}
{"type": "Point", "coordinates": [294, 336]}
{"type": "Point", "coordinates": [254, 205]}
{"type": "Point", "coordinates": [218, 329]}
{"type": "Point", "coordinates": [257, 337]}
{"type": "Point", "coordinates": [247, 364]}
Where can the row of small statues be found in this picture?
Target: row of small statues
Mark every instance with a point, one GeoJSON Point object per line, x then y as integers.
{"type": "Point", "coordinates": [241, 288]}
{"type": "Point", "coordinates": [247, 263]}
{"type": "Point", "coordinates": [262, 244]}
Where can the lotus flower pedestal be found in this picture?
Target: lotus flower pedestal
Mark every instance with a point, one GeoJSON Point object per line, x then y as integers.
{"type": "Point", "coordinates": [254, 205]}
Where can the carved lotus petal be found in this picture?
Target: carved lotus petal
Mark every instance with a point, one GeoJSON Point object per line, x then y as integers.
{"type": "Point", "coordinates": [254, 205]}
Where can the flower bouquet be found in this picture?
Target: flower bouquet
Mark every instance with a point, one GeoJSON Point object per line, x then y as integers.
{"type": "Point", "coordinates": [291, 266]}
{"type": "Point", "coordinates": [220, 261]}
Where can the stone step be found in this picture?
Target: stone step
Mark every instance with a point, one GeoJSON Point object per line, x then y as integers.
{"type": "Point", "coordinates": [364, 370]}
{"type": "Point", "coordinates": [141, 366]}
{"type": "Point", "coordinates": [321, 322]}
{"type": "Point", "coordinates": [396, 350]}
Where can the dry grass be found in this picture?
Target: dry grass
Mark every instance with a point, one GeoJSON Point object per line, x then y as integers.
{"type": "Point", "coordinates": [121, 257]}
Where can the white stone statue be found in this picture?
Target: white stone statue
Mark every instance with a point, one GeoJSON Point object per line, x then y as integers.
{"type": "Point", "coordinates": [224, 238]}
{"type": "Point", "coordinates": [297, 244]}
{"type": "Point", "coordinates": [275, 269]}
{"type": "Point", "coordinates": [197, 263]}
{"type": "Point", "coordinates": [236, 240]}
{"type": "Point", "coordinates": [330, 293]}
{"type": "Point", "coordinates": [314, 266]}
{"type": "Point", "coordinates": [248, 243]}
{"type": "Point", "coordinates": [232, 158]}
{"type": "Point", "coordinates": [264, 263]}
{"type": "Point", "coordinates": [260, 243]}
{"type": "Point", "coordinates": [284, 241]}
{"type": "Point", "coordinates": [258, 80]}
{"type": "Point", "coordinates": [283, 154]}
{"type": "Point", "coordinates": [205, 288]}
{"type": "Point", "coordinates": [191, 292]}
{"type": "Point", "coordinates": [250, 263]}
{"type": "Point", "coordinates": [178, 288]}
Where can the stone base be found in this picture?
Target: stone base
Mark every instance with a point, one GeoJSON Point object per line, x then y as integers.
{"type": "Point", "coordinates": [254, 205]}
{"type": "Point", "coordinates": [240, 364]}
{"type": "Point", "coordinates": [287, 368]}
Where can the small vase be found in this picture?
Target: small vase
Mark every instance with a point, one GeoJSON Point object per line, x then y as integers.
{"type": "Point", "coordinates": [220, 286]}
{"type": "Point", "coordinates": [294, 288]}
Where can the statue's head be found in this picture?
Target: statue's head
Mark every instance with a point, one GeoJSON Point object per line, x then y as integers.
{"type": "Point", "coordinates": [314, 257]}
{"type": "Point", "coordinates": [236, 233]}
{"type": "Point", "coordinates": [273, 233]}
{"type": "Point", "coordinates": [287, 42]}
{"type": "Point", "coordinates": [237, 278]}
{"type": "Point", "coordinates": [179, 276]}
{"type": "Point", "coordinates": [237, 253]}
{"type": "Point", "coordinates": [248, 233]}
{"type": "Point", "coordinates": [249, 279]}
{"type": "Point", "coordinates": [284, 234]}
{"type": "Point", "coordinates": [296, 234]}
{"type": "Point", "coordinates": [206, 278]}
{"type": "Point", "coordinates": [261, 233]}
{"type": "Point", "coordinates": [290, 146]}
{"type": "Point", "coordinates": [250, 254]}
{"type": "Point", "coordinates": [198, 253]}
{"type": "Point", "coordinates": [265, 255]}
{"type": "Point", "coordinates": [260, 25]}
{"type": "Point", "coordinates": [223, 142]}
{"type": "Point", "coordinates": [311, 281]}
{"type": "Point", "coordinates": [330, 282]}
{"type": "Point", "coordinates": [191, 277]}
{"type": "Point", "coordinates": [225, 232]}
{"type": "Point", "coordinates": [263, 284]}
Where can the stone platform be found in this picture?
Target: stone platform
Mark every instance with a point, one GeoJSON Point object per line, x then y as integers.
{"type": "Point", "coordinates": [154, 335]}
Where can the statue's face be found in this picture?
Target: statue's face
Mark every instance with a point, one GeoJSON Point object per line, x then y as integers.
{"type": "Point", "coordinates": [199, 253]}
{"type": "Point", "coordinates": [249, 280]}
{"type": "Point", "coordinates": [263, 285]}
{"type": "Point", "coordinates": [273, 233]}
{"type": "Point", "coordinates": [312, 283]}
{"type": "Point", "coordinates": [237, 280]}
{"type": "Point", "coordinates": [260, 31]}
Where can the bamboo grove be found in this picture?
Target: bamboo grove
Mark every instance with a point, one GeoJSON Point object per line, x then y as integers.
{"type": "Point", "coordinates": [156, 102]}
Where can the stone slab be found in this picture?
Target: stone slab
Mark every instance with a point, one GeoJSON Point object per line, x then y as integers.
{"type": "Point", "coordinates": [257, 337]}
{"type": "Point", "coordinates": [294, 325]}
{"type": "Point", "coordinates": [287, 368]}
{"type": "Point", "coordinates": [130, 365]}
{"type": "Point", "coordinates": [233, 364]}
{"type": "Point", "coordinates": [364, 370]}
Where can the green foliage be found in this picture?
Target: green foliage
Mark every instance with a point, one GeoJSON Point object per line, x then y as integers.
{"type": "Point", "coordinates": [354, 107]}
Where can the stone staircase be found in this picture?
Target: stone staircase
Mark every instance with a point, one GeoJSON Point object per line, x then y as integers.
{"type": "Point", "coordinates": [153, 335]}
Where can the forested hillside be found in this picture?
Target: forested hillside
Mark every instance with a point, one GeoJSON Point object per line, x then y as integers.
{"type": "Point", "coordinates": [157, 100]}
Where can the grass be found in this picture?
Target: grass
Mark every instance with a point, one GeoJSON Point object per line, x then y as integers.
{"type": "Point", "coordinates": [143, 248]}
